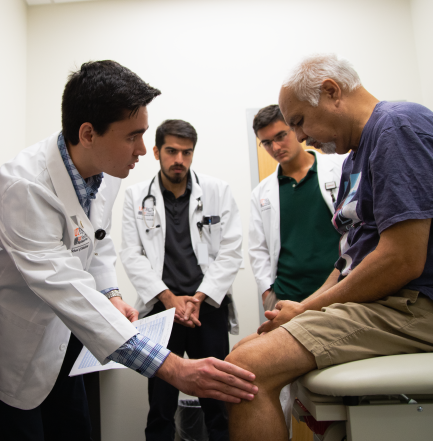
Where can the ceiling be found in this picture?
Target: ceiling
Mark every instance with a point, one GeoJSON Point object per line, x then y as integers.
{"type": "Point", "coordinates": [48, 2]}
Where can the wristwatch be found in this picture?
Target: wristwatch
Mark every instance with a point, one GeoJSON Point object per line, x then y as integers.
{"type": "Point", "coordinates": [113, 293]}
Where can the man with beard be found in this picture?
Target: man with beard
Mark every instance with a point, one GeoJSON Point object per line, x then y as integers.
{"type": "Point", "coordinates": [181, 248]}
{"type": "Point", "coordinates": [379, 298]}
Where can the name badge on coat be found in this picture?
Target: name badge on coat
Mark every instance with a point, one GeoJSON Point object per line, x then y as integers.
{"type": "Point", "coordinates": [202, 254]}
{"type": "Point", "coordinates": [265, 204]}
{"type": "Point", "coordinates": [80, 247]}
{"type": "Point", "coordinates": [147, 212]}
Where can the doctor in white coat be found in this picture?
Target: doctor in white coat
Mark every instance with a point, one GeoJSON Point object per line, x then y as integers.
{"type": "Point", "coordinates": [57, 272]}
{"type": "Point", "coordinates": [143, 247]}
{"type": "Point", "coordinates": [181, 241]}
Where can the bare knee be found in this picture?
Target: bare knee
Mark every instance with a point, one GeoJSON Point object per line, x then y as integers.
{"type": "Point", "coordinates": [276, 359]}
{"type": "Point", "coordinates": [245, 340]}
{"type": "Point", "coordinates": [247, 357]}
{"type": "Point", "coordinates": [241, 356]}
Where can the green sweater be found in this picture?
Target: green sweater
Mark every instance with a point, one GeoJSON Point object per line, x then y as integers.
{"type": "Point", "coordinates": [309, 242]}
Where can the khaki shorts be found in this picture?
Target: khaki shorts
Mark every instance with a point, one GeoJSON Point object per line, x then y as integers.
{"type": "Point", "coordinates": [343, 332]}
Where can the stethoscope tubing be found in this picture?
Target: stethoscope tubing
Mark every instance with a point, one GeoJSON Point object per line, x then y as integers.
{"type": "Point", "coordinates": [151, 196]}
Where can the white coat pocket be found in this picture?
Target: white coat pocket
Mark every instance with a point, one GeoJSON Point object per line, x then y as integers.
{"type": "Point", "coordinates": [16, 357]}
{"type": "Point", "coordinates": [212, 236]}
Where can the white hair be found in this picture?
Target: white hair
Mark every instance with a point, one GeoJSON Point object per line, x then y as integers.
{"type": "Point", "coordinates": [306, 78]}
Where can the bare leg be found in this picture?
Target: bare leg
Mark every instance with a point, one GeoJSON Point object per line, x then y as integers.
{"type": "Point", "coordinates": [276, 359]}
{"type": "Point", "coordinates": [245, 339]}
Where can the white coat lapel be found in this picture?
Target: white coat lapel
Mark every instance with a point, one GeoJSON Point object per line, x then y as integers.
{"type": "Point", "coordinates": [325, 176]}
{"type": "Point", "coordinates": [274, 194]}
{"type": "Point", "coordinates": [65, 190]}
{"type": "Point", "coordinates": [196, 194]}
{"type": "Point", "coordinates": [97, 207]}
{"type": "Point", "coordinates": [160, 207]}
{"type": "Point", "coordinates": [274, 198]}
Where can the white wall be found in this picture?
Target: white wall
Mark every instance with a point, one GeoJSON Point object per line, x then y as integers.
{"type": "Point", "coordinates": [422, 13]}
{"type": "Point", "coordinates": [212, 59]}
{"type": "Point", "coordinates": [13, 31]}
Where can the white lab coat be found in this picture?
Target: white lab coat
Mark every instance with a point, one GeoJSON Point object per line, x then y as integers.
{"type": "Point", "coordinates": [142, 252]}
{"type": "Point", "coordinates": [51, 273]}
{"type": "Point", "coordinates": [264, 230]}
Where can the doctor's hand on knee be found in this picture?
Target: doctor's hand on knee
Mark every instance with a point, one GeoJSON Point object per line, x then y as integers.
{"type": "Point", "coordinates": [180, 303]}
{"type": "Point", "coordinates": [209, 378]}
{"type": "Point", "coordinates": [128, 311]}
{"type": "Point", "coordinates": [284, 311]}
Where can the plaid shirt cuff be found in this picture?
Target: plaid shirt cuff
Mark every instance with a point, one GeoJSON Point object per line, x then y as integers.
{"type": "Point", "coordinates": [106, 291]}
{"type": "Point", "coordinates": [141, 354]}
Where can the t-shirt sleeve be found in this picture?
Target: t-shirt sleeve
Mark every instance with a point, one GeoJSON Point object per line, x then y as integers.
{"type": "Point", "coordinates": [401, 176]}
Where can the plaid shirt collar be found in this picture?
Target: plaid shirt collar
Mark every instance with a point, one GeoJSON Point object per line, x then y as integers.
{"type": "Point", "coordinates": [85, 189]}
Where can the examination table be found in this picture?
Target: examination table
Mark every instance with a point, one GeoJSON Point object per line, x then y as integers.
{"type": "Point", "coordinates": [378, 399]}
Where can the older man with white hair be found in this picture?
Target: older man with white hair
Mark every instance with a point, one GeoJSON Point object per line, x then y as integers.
{"type": "Point", "coordinates": [379, 298]}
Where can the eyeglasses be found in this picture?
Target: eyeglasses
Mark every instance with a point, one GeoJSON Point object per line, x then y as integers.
{"type": "Point", "coordinates": [278, 138]}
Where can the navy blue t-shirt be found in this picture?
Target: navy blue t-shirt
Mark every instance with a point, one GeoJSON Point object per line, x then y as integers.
{"type": "Point", "coordinates": [389, 179]}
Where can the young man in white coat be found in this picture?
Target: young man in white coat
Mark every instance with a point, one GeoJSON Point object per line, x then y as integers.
{"type": "Point", "coordinates": [292, 243]}
{"type": "Point", "coordinates": [182, 240]}
{"type": "Point", "coordinates": [58, 287]}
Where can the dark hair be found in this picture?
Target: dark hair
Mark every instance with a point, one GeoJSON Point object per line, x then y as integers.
{"type": "Point", "coordinates": [175, 127]}
{"type": "Point", "coordinates": [266, 116]}
{"type": "Point", "coordinates": [101, 93]}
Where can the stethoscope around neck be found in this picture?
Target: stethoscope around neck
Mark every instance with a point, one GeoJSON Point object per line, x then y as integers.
{"type": "Point", "coordinates": [151, 196]}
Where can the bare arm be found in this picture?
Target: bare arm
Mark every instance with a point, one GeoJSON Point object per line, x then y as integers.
{"type": "Point", "coordinates": [331, 281]}
{"type": "Point", "coordinates": [399, 258]}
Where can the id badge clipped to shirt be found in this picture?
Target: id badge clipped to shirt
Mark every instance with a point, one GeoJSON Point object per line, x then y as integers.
{"type": "Point", "coordinates": [202, 254]}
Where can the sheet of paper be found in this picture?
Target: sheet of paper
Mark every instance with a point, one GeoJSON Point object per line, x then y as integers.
{"type": "Point", "coordinates": [156, 327]}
